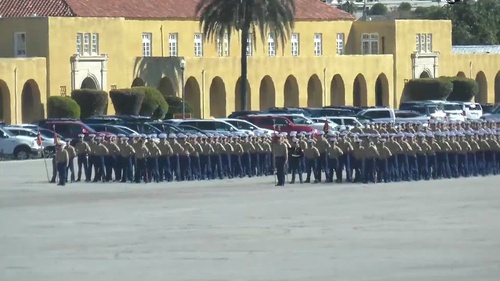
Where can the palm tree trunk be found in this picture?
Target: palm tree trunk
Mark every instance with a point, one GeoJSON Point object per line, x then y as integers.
{"type": "Point", "coordinates": [244, 71]}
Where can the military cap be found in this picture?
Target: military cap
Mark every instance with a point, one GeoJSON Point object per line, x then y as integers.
{"type": "Point", "coordinates": [162, 136]}
{"type": "Point", "coordinates": [81, 135]}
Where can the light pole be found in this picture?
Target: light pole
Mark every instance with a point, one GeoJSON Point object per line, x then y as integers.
{"type": "Point", "coordinates": [183, 67]}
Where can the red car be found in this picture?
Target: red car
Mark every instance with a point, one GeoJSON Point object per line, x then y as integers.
{"type": "Point", "coordinates": [69, 129]}
{"type": "Point", "coordinates": [271, 122]}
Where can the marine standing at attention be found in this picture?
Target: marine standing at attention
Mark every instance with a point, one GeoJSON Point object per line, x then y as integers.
{"type": "Point", "coordinates": [280, 160]}
{"type": "Point", "coordinates": [62, 160]}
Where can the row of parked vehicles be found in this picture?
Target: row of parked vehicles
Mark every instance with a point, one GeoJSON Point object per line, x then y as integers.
{"type": "Point", "coordinates": [20, 141]}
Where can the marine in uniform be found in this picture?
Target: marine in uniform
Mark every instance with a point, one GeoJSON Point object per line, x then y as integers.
{"type": "Point", "coordinates": [61, 159]}
{"type": "Point", "coordinates": [295, 160]}
{"type": "Point", "coordinates": [334, 154]}
{"type": "Point", "coordinates": [312, 156]}
{"type": "Point", "coordinates": [71, 161]}
{"type": "Point", "coordinates": [280, 160]}
{"type": "Point", "coordinates": [82, 151]}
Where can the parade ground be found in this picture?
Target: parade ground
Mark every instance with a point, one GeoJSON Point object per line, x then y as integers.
{"type": "Point", "coordinates": [246, 229]}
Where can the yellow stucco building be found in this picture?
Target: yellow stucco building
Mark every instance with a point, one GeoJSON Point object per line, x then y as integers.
{"type": "Point", "coordinates": [329, 59]}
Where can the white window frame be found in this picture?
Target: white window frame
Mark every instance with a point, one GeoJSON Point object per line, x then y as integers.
{"type": "Point", "coordinates": [249, 45]}
{"type": "Point", "coordinates": [94, 49]}
{"type": "Point", "coordinates": [79, 43]}
{"type": "Point", "coordinates": [198, 45]}
{"type": "Point", "coordinates": [20, 47]}
{"type": "Point", "coordinates": [271, 45]}
{"type": "Point", "coordinates": [370, 44]}
{"type": "Point", "coordinates": [295, 41]}
{"type": "Point", "coordinates": [147, 38]}
{"type": "Point", "coordinates": [227, 45]}
{"type": "Point", "coordinates": [86, 44]}
{"type": "Point", "coordinates": [318, 44]}
{"type": "Point", "coordinates": [428, 43]}
{"type": "Point", "coordinates": [172, 44]}
{"type": "Point", "coordinates": [223, 47]}
{"type": "Point", "coordinates": [417, 43]}
{"type": "Point", "coordinates": [422, 43]}
{"type": "Point", "coordinates": [340, 43]}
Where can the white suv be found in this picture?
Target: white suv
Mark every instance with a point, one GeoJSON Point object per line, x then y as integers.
{"type": "Point", "coordinates": [472, 110]}
{"type": "Point", "coordinates": [19, 147]}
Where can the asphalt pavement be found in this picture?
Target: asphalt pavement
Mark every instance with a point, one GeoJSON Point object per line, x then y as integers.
{"type": "Point", "coordinates": [246, 229]}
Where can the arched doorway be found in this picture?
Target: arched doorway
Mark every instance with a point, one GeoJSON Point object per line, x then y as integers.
{"type": "Point", "coordinates": [291, 93]}
{"type": "Point", "coordinates": [31, 105]}
{"type": "Point", "coordinates": [138, 82]}
{"type": "Point", "coordinates": [218, 98]}
{"type": "Point", "coordinates": [165, 86]}
{"type": "Point", "coordinates": [382, 90]}
{"type": "Point", "coordinates": [5, 113]}
{"type": "Point", "coordinates": [461, 74]}
{"type": "Point", "coordinates": [359, 97]}
{"type": "Point", "coordinates": [425, 74]}
{"type": "Point", "coordinates": [482, 95]}
{"type": "Point", "coordinates": [267, 93]}
{"type": "Point", "coordinates": [314, 92]}
{"type": "Point", "coordinates": [89, 83]}
{"type": "Point", "coordinates": [497, 88]}
{"type": "Point", "coordinates": [192, 89]}
{"type": "Point", "coordinates": [237, 97]}
{"type": "Point", "coordinates": [337, 90]}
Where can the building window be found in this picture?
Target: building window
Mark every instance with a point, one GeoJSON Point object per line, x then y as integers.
{"type": "Point", "coordinates": [428, 42]}
{"type": "Point", "coordinates": [95, 44]}
{"type": "Point", "coordinates": [86, 44]}
{"type": "Point", "coordinates": [340, 43]}
{"type": "Point", "coordinates": [223, 46]}
{"type": "Point", "coordinates": [146, 44]}
{"type": "Point", "coordinates": [422, 43]}
{"type": "Point", "coordinates": [271, 45]}
{"type": "Point", "coordinates": [79, 38]}
{"type": "Point", "coordinates": [20, 44]}
{"type": "Point", "coordinates": [172, 44]}
{"type": "Point", "coordinates": [295, 44]}
{"type": "Point", "coordinates": [369, 44]}
{"type": "Point", "coordinates": [249, 45]}
{"type": "Point", "coordinates": [417, 43]}
{"type": "Point", "coordinates": [198, 45]}
{"type": "Point", "coordinates": [318, 44]}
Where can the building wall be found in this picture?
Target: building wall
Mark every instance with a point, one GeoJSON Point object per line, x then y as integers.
{"type": "Point", "coordinates": [22, 90]}
{"type": "Point", "coordinates": [211, 82]}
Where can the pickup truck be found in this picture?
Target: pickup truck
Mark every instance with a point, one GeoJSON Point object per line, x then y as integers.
{"type": "Point", "coordinates": [277, 122]}
{"type": "Point", "coordinates": [18, 147]}
{"type": "Point", "coordinates": [388, 115]}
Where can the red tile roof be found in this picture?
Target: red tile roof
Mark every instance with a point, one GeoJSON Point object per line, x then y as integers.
{"type": "Point", "coordinates": [29, 8]}
{"type": "Point", "coordinates": [306, 10]}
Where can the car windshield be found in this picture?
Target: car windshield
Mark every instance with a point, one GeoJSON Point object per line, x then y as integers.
{"type": "Point", "coordinates": [448, 107]}
{"type": "Point", "coordinates": [6, 132]}
{"type": "Point", "coordinates": [49, 134]}
{"type": "Point", "coordinates": [473, 106]}
{"type": "Point", "coordinates": [299, 120]}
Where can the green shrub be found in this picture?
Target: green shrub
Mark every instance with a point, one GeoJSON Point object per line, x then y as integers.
{"type": "Point", "coordinates": [154, 104]}
{"type": "Point", "coordinates": [62, 107]}
{"type": "Point", "coordinates": [91, 102]}
{"type": "Point", "coordinates": [464, 89]}
{"type": "Point", "coordinates": [175, 107]}
{"type": "Point", "coordinates": [127, 101]}
{"type": "Point", "coordinates": [429, 88]}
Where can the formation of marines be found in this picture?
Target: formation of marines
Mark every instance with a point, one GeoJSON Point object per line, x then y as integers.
{"type": "Point", "coordinates": [380, 152]}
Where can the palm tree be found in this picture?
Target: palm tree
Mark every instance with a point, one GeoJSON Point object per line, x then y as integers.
{"type": "Point", "coordinates": [219, 18]}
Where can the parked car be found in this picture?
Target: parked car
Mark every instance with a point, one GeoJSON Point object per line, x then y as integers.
{"type": "Point", "coordinates": [246, 126]}
{"type": "Point", "coordinates": [113, 129]}
{"type": "Point", "coordinates": [237, 114]}
{"type": "Point", "coordinates": [141, 127]}
{"type": "Point", "coordinates": [300, 119]}
{"type": "Point", "coordinates": [489, 107]}
{"type": "Point", "coordinates": [212, 126]}
{"type": "Point", "coordinates": [277, 122]}
{"type": "Point", "coordinates": [346, 122]}
{"type": "Point", "coordinates": [411, 116]}
{"type": "Point", "coordinates": [329, 112]}
{"type": "Point", "coordinates": [48, 145]}
{"type": "Point", "coordinates": [286, 110]}
{"type": "Point", "coordinates": [494, 115]}
{"type": "Point", "coordinates": [353, 109]}
{"type": "Point", "coordinates": [68, 128]}
{"type": "Point", "coordinates": [189, 129]}
{"type": "Point", "coordinates": [18, 147]}
{"type": "Point", "coordinates": [472, 110]}
{"type": "Point", "coordinates": [435, 111]}
{"type": "Point", "coordinates": [378, 114]}
{"type": "Point", "coordinates": [331, 125]}
{"type": "Point", "coordinates": [454, 111]}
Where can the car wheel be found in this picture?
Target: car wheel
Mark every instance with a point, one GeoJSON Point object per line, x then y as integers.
{"type": "Point", "coordinates": [22, 153]}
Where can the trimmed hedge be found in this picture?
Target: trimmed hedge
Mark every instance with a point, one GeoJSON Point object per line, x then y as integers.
{"type": "Point", "coordinates": [429, 88]}
{"type": "Point", "coordinates": [464, 89]}
{"type": "Point", "coordinates": [62, 107]}
{"type": "Point", "coordinates": [175, 107]}
{"type": "Point", "coordinates": [154, 104]}
{"type": "Point", "coordinates": [91, 102]}
{"type": "Point", "coordinates": [127, 101]}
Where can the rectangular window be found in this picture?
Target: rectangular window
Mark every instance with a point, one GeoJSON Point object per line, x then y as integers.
{"type": "Point", "coordinates": [219, 47]}
{"type": "Point", "coordinates": [172, 44]}
{"type": "Point", "coordinates": [249, 45]}
{"type": "Point", "coordinates": [340, 43]}
{"type": "Point", "coordinates": [369, 44]}
{"type": "Point", "coordinates": [79, 38]}
{"type": "Point", "coordinates": [198, 45]}
{"type": "Point", "coordinates": [223, 46]}
{"type": "Point", "coordinates": [417, 43]}
{"type": "Point", "coordinates": [95, 44]}
{"type": "Point", "coordinates": [20, 44]}
{"type": "Point", "coordinates": [271, 45]}
{"type": "Point", "coordinates": [295, 40]}
{"type": "Point", "coordinates": [86, 44]}
{"type": "Point", "coordinates": [146, 44]}
{"type": "Point", "coordinates": [429, 43]}
{"type": "Point", "coordinates": [227, 45]}
{"type": "Point", "coordinates": [422, 43]}
{"type": "Point", "coordinates": [318, 44]}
